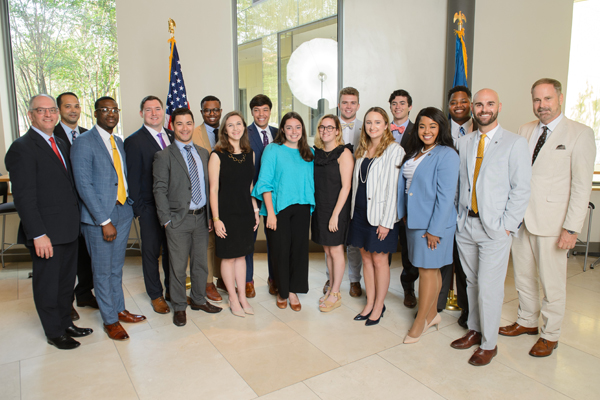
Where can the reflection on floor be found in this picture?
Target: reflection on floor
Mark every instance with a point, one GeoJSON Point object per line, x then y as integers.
{"type": "Point", "coordinates": [281, 354]}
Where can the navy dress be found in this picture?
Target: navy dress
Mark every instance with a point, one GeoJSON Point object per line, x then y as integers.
{"type": "Point", "coordinates": [362, 234]}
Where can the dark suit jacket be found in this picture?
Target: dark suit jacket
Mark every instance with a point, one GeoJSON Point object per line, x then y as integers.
{"type": "Point", "coordinates": [43, 190]}
{"type": "Point", "coordinates": [257, 146]}
{"type": "Point", "coordinates": [407, 132]}
{"type": "Point", "coordinates": [173, 187]}
{"type": "Point", "coordinates": [60, 133]}
{"type": "Point", "coordinates": [140, 148]}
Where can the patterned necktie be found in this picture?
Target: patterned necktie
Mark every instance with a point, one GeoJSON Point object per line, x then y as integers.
{"type": "Point", "coordinates": [57, 152]}
{"type": "Point", "coordinates": [194, 178]}
{"type": "Point", "coordinates": [348, 125]}
{"type": "Point", "coordinates": [74, 134]}
{"type": "Point", "coordinates": [121, 192]}
{"type": "Point", "coordinates": [216, 135]}
{"type": "Point", "coordinates": [462, 131]}
{"type": "Point", "coordinates": [478, 162]}
{"type": "Point", "coordinates": [540, 143]}
{"type": "Point", "coordinates": [162, 142]}
{"type": "Point", "coordinates": [265, 138]}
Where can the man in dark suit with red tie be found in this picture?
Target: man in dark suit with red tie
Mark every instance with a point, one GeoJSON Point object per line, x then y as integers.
{"type": "Point", "coordinates": [47, 202]}
{"type": "Point", "coordinates": [68, 130]}
{"type": "Point", "coordinates": [140, 148]}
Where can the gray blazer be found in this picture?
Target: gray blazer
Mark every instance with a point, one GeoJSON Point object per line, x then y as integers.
{"type": "Point", "coordinates": [502, 186]}
{"type": "Point", "coordinates": [172, 185]}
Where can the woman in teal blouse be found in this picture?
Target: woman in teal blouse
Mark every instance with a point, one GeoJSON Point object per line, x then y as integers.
{"type": "Point", "coordinates": [286, 189]}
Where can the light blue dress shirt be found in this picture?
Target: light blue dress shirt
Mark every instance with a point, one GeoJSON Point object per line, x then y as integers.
{"type": "Point", "coordinates": [184, 153]}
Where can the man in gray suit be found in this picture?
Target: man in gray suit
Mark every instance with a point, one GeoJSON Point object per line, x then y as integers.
{"type": "Point", "coordinates": [493, 193]}
{"type": "Point", "coordinates": [182, 203]}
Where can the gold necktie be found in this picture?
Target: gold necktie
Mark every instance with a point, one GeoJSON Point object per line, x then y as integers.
{"type": "Point", "coordinates": [121, 193]}
{"type": "Point", "coordinates": [478, 162]}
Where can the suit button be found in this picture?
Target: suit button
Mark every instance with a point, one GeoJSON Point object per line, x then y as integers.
{"type": "Point", "coordinates": [369, 198]}
{"type": "Point", "coordinates": [116, 184]}
{"type": "Point", "coordinates": [189, 188]}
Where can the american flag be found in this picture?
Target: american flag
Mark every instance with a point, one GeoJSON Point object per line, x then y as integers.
{"type": "Point", "coordinates": [177, 97]}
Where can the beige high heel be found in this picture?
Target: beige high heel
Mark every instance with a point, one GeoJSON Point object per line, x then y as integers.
{"type": "Point", "coordinates": [411, 340]}
{"type": "Point", "coordinates": [249, 310]}
{"type": "Point", "coordinates": [237, 313]}
{"type": "Point", "coordinates": [327, 306]}
{"type": "Point", "coordinates": [435, 321]}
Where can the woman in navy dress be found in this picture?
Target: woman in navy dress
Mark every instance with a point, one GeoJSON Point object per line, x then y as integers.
{"type": "Point", "coordinates": [426, 190]}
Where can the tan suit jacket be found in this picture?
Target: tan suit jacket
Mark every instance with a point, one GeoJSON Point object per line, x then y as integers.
{"type": "Point", "coordinates": [561, 181]}
{"type": "Point", "coordinates": [200, 137]}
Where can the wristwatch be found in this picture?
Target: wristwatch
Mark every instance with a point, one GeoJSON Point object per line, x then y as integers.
{"type": "Point", "coordinates": [571, 232]}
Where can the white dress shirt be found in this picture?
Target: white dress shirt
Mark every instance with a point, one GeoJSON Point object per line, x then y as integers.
{"type": "Point", "coordinates": [260, 132]}
{"type": "Point", "coordinates": [410, 167]}
{"type": "Point", "coordinates": [154, 134]}
{"type": "Point", "coordinates": [488, 139]}
{"type": "Point", "coordinates": [455, 129]}
{"type": "Point", "coordinates": [537, 132]}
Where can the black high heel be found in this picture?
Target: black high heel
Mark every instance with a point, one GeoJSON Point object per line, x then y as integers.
{"type": "Point", "coordinates": [370, 322]}
{"type": "Point", "coordinates": [360, 317]}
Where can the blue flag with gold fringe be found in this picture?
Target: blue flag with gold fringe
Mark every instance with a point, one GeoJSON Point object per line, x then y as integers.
{"type": "Point", "coordinates": [460, 55]}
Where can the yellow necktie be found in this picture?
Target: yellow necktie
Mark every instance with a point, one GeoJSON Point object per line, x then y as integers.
{"type": "Point", "coordinates": [121, 193]}
{"type": "Point", "coordinates": [478, 162]}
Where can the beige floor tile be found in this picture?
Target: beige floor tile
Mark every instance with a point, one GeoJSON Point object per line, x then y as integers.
{"type": "Point", "coordinates": [583, 301]}
{"type": "Point", "coordinates": [179, 362]}
{"type": "Point", "coordinates": [369, 378]}
{"type": "Point", "coordinates": [267, 353]}
{"type": "Point", "coordinates": [446, 371]}
{"type": "Point", "coordinates": [88, 372]}
{"type": "Point", "coordinates": [588, 280]}
{"type": "Point", "coordinates": [298, 391]}
{"type": "Point", "coordinates": [10, 381]}
{"type": "Point", "coordinates": [581, 332]}
{"type": "Point", "coordinates": [9, 286]}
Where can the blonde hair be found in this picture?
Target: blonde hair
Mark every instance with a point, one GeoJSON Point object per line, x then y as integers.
{"type": "Point", "coordinates": [365, 139]}
{"type": "Point", "coordinates": [339, 140]}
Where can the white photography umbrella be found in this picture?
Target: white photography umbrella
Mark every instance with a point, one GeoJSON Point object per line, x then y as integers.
{"type": "Point", "coordinates": [312, 72]}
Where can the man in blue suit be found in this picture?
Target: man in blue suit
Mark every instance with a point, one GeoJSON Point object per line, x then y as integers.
{"type": "Point", "coordinates": [100, 172]}
{"type": "Point", "coordinates": [140, 148]}
{"type": "Point", "coordinates": [260, 134]}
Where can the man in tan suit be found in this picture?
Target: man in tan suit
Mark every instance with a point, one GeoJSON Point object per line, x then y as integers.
{"type": "Point", "coordinates": [563, 153]}
{"type": "Point", "coordinates": [206, 136]}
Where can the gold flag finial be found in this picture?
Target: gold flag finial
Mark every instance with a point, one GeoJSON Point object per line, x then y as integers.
{"type": "Point", "coordinates": [461, 18]}
{"type": "Point", "coordinates": [172, 27]}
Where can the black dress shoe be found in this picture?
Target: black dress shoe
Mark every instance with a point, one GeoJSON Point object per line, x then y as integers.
{"type": "Point", "coordinates": [206, 307]}
{"type": "Point", "coordinates": [74, 331]}
{"type": "Point", "coordinates": [179, 318]}
{"type": "Point", "coordinates": [360, 317]}
{"type": "Point", "coordinates": [88, 302]}
{"type": "Point", "coordinates": [74, 314]}
{"type": "Point", "coordinates": [64, 342]}
{"type": "Point", "coordinates": [462, 320]}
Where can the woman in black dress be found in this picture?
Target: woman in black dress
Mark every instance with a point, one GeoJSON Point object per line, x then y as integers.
{"type": "Point", "coordinates": [234, 211]}
{"type": "Point", "coordinates": [334, 164]}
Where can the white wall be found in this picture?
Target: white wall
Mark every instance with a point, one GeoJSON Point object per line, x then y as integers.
{"type": "Point", "coordinates": [204, 41]}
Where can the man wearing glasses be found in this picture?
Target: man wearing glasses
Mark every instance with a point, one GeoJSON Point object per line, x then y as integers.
{"type": "Point", "coordinates": [100, 171]}
{"type": "Point", "coordinates": [46, 200]}
{"type": "Point", "coordinates": [206, 136]}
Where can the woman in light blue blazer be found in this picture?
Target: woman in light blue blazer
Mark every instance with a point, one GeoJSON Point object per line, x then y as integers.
{"type": "Point", "coordinates": [426, 191]}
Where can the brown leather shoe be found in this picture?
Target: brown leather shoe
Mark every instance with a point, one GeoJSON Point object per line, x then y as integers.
{"type": "Point", "coordinates": [250, 292]}
{"type": "Point", "coordinates": [326, 287]}
{"type": "Point", "coordinates": [74, 314]}
{"type": "Point", "coordinates": [281, 303]}
{"type": "Point", "coordinates": [212, 294]}
{"type": "Point", "coordinates": [221, 284]}
{"type": "Point", "coordinates": [297, 306]}
{"type": "Point", "coordinates": [516, 330]}
{"type": "Point", "coordinates": [469, 340]}
{"type": "Point", "coordinates": [542, 348]}
{"type": "Point", "coordinates": [126, 316]}
{"type": "Point", "coordinates": [206, 307]}
{"type": "Point", "coordinates": [116, 331]}
{"type": "Point", "coordinates": [179, 318]}
{"type": "Point", "coordinates": [483, 357]}
{"type": "Point", "coordinates": [160, 305]}
{"type": "Point", "coordinates": [272, 287]}
{"type": "Point", "coordinates": [410, 300]}
{"type": "Point", "coordinates": [355, 290]}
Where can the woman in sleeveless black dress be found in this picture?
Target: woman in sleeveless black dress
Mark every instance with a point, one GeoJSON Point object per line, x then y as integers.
{"type": "Point", "coordinates": [334, 164]}
{"type": "Point", "coordinates": [234, 211]}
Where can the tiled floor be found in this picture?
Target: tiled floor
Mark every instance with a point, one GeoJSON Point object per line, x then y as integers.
{"type": "Point", "coordinates": [280, 354]}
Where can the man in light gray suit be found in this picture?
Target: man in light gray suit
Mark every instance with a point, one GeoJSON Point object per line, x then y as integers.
{"type": "Point", "coordinates": [182, 203]}
{"type": "Point", "coordinates": [493, 193]}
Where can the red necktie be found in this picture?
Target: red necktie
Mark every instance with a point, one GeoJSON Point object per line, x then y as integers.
{"type": "Point", "coordinates": [57, 152]}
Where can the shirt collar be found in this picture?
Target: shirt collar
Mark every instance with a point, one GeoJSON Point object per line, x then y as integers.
{"type": "Point", "coordinates": [103, 134]}
{"type": "Point", "coordinates": [181, 145]}
{"type": "Point", "coordinates": [154, 132]}
{"type": "Point", "coordinates": [68, 129]}
{"type": "Point", "coordinates": [552, 125]}
{"type": "Point", "coordinates": [45, 136]}
{"type": "Point", "coordinates": [209, 128]}
{"type": "Point", "coordinates": [467, 125]}
{"type": "Point", "coordinates": [490, 134]}
{"type": "Point", "coordinates": [259, 129]}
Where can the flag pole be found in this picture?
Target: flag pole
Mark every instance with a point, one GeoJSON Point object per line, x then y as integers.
{"type": "Point", "coordinates": [172, 27]}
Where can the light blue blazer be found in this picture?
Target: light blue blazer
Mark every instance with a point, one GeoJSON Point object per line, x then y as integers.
{"type": "Point", "coordinates": [429, 204]}
{"type": "Point", "coordinates": [95, 176]}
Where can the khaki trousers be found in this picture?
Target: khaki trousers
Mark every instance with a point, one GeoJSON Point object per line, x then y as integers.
{"type": "Point", "coordinates": [535, 256]}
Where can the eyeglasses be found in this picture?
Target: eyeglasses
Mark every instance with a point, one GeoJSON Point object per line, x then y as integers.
{"type": "Point", "coordinates": [211, 110]}
{"type": "Point", "coordinates": [329, 128]}
{"type": "Point", "coordinates": [42, 111]}
{"type": "Point", "coordinates": [105, 110]}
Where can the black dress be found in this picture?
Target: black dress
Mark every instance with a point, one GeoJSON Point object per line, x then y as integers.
{"type": "Point", "coordinates": [328, 184]}
{"type": "Point", "coordinates": [235, 205]}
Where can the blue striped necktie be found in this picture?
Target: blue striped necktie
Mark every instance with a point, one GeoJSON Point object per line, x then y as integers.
{"type": "Point", "coordinates": [196, 191]}
{"type": "Point", "coordinates": [462, 131]}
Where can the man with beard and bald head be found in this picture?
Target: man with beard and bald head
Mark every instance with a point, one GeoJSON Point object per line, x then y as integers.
{"type": "Point", "coordinates": [493, 192]}
{"type": "Point", "coordinates": [562, 154]}
{"type": "Point", "coordinates": [100, 170]}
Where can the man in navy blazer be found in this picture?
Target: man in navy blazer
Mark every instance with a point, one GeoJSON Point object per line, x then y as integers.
{"type": "Point", "coordinates": [100, 173]}
{"type": "Point", "coordinates": [47, 203]}
{"type": "Point", "coordinates": [260, 134]}
{"type": "Point", "coordinates": [140, 148]}
{"type": "Point", "coordinates": [70, 111]}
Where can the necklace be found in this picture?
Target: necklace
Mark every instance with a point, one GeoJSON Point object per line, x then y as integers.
{"type": "Point", "coordinates": [423, 151]}
{"type": "Point", "coordinates": [367, 174]}
{"type": "Point", "coordinates": [236, 159]}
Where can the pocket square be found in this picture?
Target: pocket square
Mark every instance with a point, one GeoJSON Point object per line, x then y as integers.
{"type": "Point", "coordinates": [561, 147]}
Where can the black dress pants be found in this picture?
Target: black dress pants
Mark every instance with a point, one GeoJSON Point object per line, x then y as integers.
{"type": "Point", "coordinates": [461, 283]}
{"type": "Point", "coordinates": [410, 273]}
{"type": "Point", "coordinates": [154, 239]}
{"type": "Point", "coordinates": [85, 278]}
{"type": "Point", "coordinates": [288, 247]}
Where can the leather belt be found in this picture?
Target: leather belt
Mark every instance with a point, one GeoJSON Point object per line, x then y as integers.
{"type": "Point", "coordinates": [197, 211]}
{"type": "Point", "coordinates": [473, 214]}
